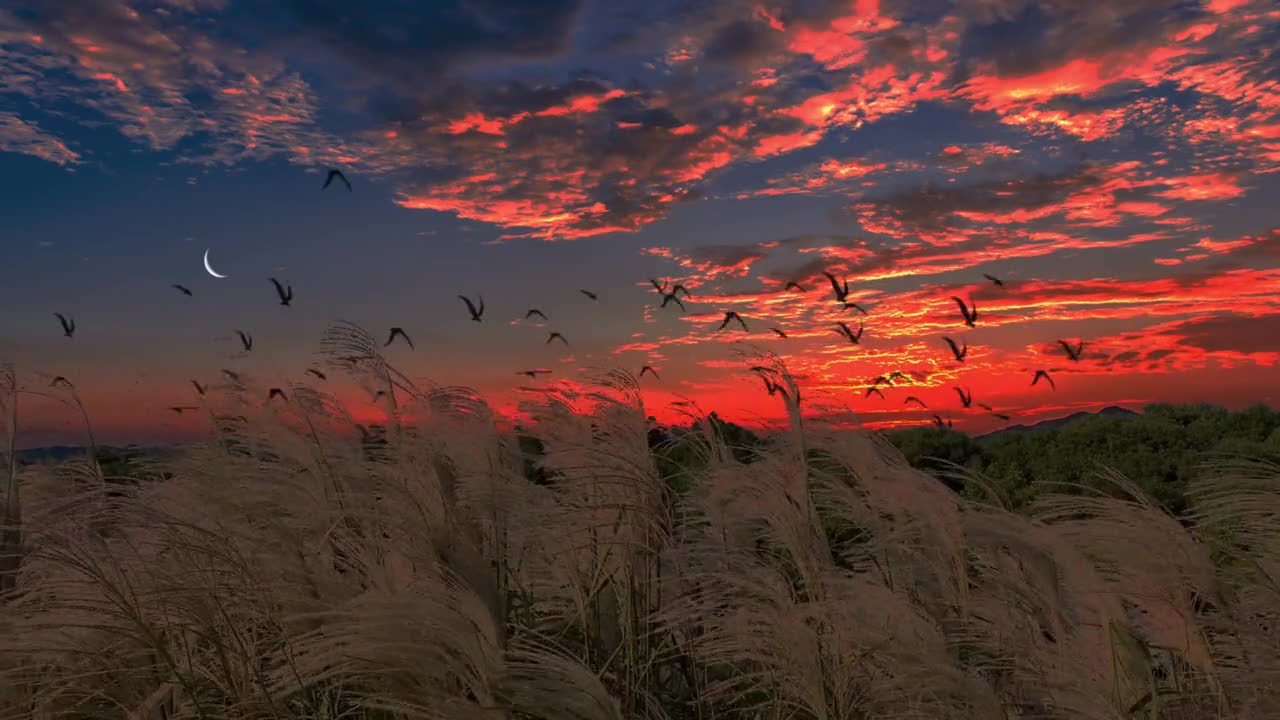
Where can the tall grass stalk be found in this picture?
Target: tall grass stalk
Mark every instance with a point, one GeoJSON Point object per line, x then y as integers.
{"type": "Point", "coordinates": [297, 566]}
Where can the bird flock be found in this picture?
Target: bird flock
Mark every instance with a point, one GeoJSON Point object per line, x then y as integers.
{"type": "Point", "coordinates": [669, 293]}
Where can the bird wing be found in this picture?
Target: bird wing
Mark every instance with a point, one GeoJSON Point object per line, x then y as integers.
{"type": "Point", "coordinates": [964, 309]}
{"type": "Point", "coordinates": [470, 306]}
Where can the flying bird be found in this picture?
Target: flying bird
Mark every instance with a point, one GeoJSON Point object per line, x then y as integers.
{"type": "Point", "coordinates": [730, 316]}
{"type": "Point", "coordinates": [672, 297]}
{"type": "Point", "coordinates": [535, 311]}
{"type": "Point", "coordinates": [60, 380]}
{"type": "Point", "coordinates": [471, 308]}
{"type": "Point", "coordinates": [649, 369]}
{"type": "Point", "coordinates": [398, 331]}
{"type": "Point", "coordinates": [1073, 352]}
{"type": "Point", "coordinates": [969, 311]}
{"type": "Point", "coordinates": [199, 388]}
{"type": "Point", "coordinates": [68, 324]}
{"type": "Point", "coordinates": [854, 338]}
{"type": "Point", "coordinates": [589, 294]}
{"type": "Point", "coordinates": [793, 285]}
{"type": "Point", "coordinates": [855, 306]}
{"type": "Point", "coordinates": [993, 412]}
{"type": "Point", "coordinates": [898, 375]}
{"type": "Point", "coordinates": [179, 409]}
{"type": "Point", "coordinates": [1045, 375]}
{"type": "Point", "coordinates": [182, 289]}
{"type": "Point", "coordinates": [662, 289]}
{"type": "Point", "coordinates": [334, 173]}
{"type": "Point", "coordinates": [956, 350]}
{"type": "Point", "coordinates": [533, 373]}
{"type": "Point", "coordinates": [273, 393]}
{"type": "Point", "coordinates": [555, 335]}
{"type": "Point", "coordinates": [937, 420]}
{"type": "Point", "coordinates": [841, 289]}
{"type": "Point", "coordinates": [916, 400]}
{"type": "Point", "coordinates": [994, 280]}
{"type": "Point", "coordinates": [780, 333]}
{"type": "Point", "coordinates": [317, 373]}
{"type": "Point", "coordinates": [285, 294]}
{"type": "Point", "coordinates": [246, 340]}
{"type": "Point", "coordinates": [679, 288]}
{"type": "Point", "coordinates": [873, 389]}
{"type": "Point", "coordinates": [966, 398]}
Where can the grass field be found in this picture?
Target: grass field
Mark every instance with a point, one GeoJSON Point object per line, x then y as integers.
{"type": "Point", "coordinates": [285, 569]}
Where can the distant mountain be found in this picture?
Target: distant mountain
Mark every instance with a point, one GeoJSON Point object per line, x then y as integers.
{"type": "Point", "coordinates": [59, 453]}
{"type": "Point", "coordinates": [1054, 423]}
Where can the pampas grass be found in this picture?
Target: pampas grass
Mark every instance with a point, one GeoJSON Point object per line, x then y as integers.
{"type": "Point", "coordinates": [297, 565]}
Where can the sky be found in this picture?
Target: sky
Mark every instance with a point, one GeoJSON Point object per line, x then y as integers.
{"type": "Point", "coordinates": [1113, 164]}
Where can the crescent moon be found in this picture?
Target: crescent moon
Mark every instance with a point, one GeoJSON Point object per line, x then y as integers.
{"type": "Point", "coordinates": [209, 267]}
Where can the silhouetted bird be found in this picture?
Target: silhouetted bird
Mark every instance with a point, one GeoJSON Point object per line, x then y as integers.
{"type": "Point", "coordinates": [317, 373]}
{"type": "Point", "coordinates": [956, 350]}
{"type": "Point", "coordinates": [246, 340]}
{"type": "Point", "coordinates": [899, 375]}
{"type": "Point", "coordinates": [916, 400]}
{"type": "Point", "coordinates": [970, 311]}
{"type": "Point", "coordinates": [841, 289]}
{"type": "Point", "coordinates": [671, 297]}
{"type": "Point", "coordinates": [855, 306]}
{"type": "Point", "coordinates": [853, 337]}
{"type": "Point", "coordinates": [994, 280]}
{"type": "Point", "coordinates": [779, 332]}
{"type": "Point", "coordinates": [68, 324]}
{"type": "Point", "coordinates": [937, 420]}
{"type": "Point", "coordinates": [182, 289]}
{"type": "Point", "coordinates": [274, 393]}
{"type": "Point", "coordinates": [476, 313]}
{"type": "Point", "coordinates": [873, 389]}
{"type": "Point", "coordinates": [179, 409]}
{"type": "Point", "coordinates": [199, 388]}
{"type": "Point", "coordinates": [333, 173]}
{"type": "Point", "coordinates": [555, 335]}
{"type": "Point", "coordinates": [533, 373]}
{"type": "Point", "coordinates": [398, 331]}
{"type": "Point", "coordinates": [966, 398]}
{"type": "Point", "coordinates": [1072, 352]}
{"type": "Point", "coordinates": [662, 289]}
{"type": "Point", "coordinates": [649, 369]}
{"type": "Point", "coordinates": [589, 294]}
{"type": "Point", "coordinates": [677, 288]}
{"type": "Point", "coordinates": [1045, 375]}
{"type": "Point", "coordinates": [991, 410]}
{"type": "Point", "coordinates": [535, 311]}
{"type": "Point", "coordinates": [792, 284]}
{"type": "Point", "coordinates": [285, 294]}
{"type": "Point", "coordinates": [60, 380]}
{"type": "Point", "coordinates": [730, 316]}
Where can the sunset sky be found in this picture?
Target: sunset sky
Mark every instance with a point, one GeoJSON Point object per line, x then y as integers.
{"type": "Point", "coordinates": [1114, 163]}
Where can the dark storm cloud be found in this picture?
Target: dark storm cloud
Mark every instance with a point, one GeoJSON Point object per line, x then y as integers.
{"type": "Point", "coordinates": [1018, 37]}
{"type": "Point", "coordinates": [1231, 333]}
{"type": "Point", "coordinates": [931, 207]}
{"type": "Point", "coordinates": [413, 39]}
